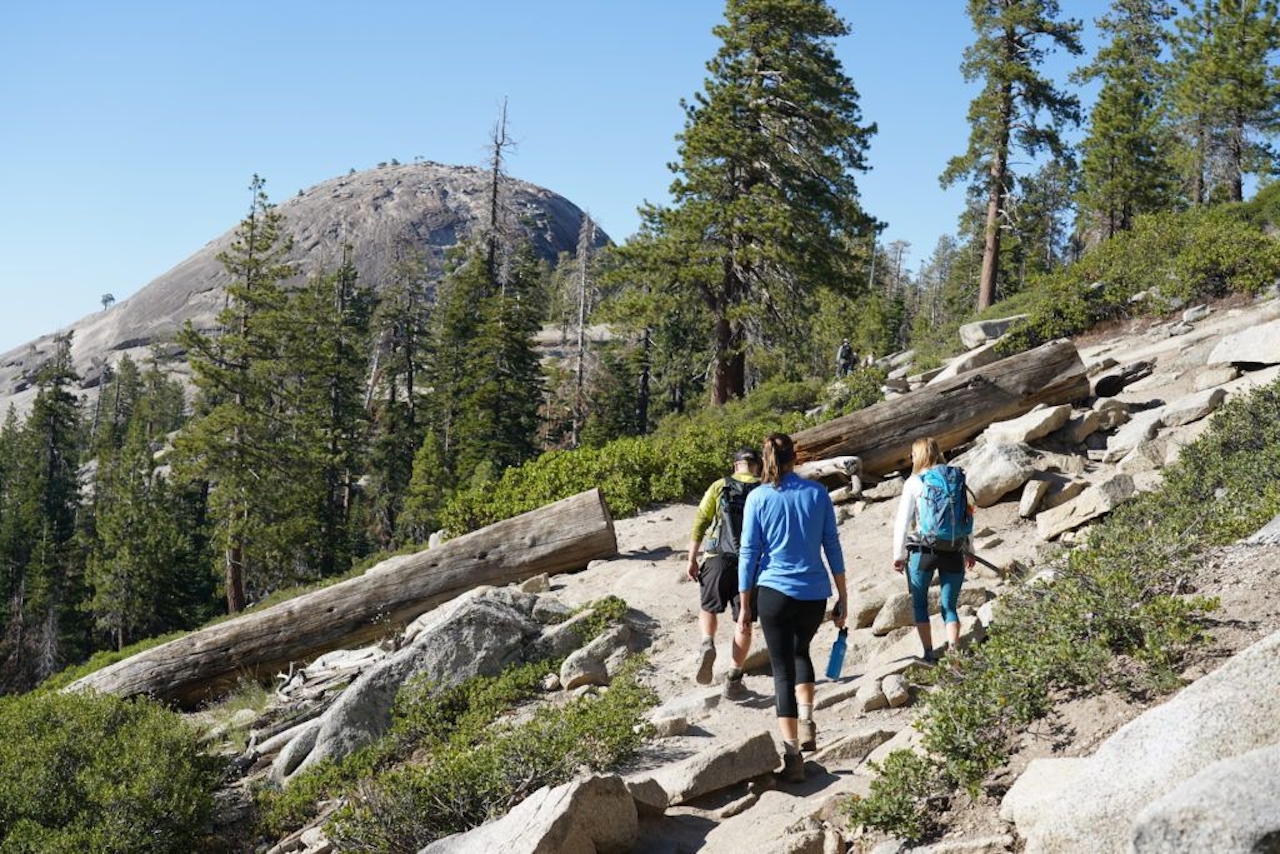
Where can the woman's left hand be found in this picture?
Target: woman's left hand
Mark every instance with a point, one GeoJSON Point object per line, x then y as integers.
{"type": "Point", "coordinates": [840, 613]}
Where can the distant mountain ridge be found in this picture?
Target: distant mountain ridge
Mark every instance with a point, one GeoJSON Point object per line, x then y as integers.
{"type": "Point", "coordinates": [378, 211]}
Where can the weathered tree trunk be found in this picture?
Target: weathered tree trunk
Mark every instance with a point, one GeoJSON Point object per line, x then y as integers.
{"type": "Point", "coordinates": [833, 473]}
{"type": "Point", "coordinates": [951, 412]}
{"type": "Point", "coordinates": [562, 537]}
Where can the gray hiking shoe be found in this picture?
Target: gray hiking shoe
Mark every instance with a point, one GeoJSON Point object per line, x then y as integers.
{"type": "Point", "coordinates": [706, 661]}
{"type": "Point", "coordinates": [792, 768]}
{"type": "Point", "coordinates": [808, 736]}
{"type": "Point", "coordinates": [735, 690]}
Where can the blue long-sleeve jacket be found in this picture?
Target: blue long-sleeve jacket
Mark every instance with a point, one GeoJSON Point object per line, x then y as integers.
{"type": "Point", "coordinates": [785, 531]}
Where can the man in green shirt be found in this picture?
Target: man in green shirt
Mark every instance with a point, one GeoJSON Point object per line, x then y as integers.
{"type": "Point", "coordinates": [721, 511]}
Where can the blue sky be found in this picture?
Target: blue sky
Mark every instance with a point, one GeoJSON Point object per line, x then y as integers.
{"type": "Point", "coordinates": [131, 129]}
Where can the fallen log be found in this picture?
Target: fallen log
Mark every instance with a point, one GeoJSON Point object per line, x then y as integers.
{"type": "Point", "coordinates": [834, 473]}
{"type": "Point", "coordinates": [561, 537]}
{"type": "Point", "coordinates": [952, 411]}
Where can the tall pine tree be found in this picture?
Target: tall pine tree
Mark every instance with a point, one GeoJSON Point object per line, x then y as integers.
{"type": "Point", "coordinates": [1226, 95]}
{"type": "Point", "coordinates": [764, 205]}
{"type": "Point", "coordinates": [1018, 107]}
{"type": "Point", "coordinates": [1125, 157]}
{"type": "Point", "coordinates": [236, 444]}
{"type": "Point", "coordinates": [402, 358]}
{"type": "Point", "coordinates": [44, 575]}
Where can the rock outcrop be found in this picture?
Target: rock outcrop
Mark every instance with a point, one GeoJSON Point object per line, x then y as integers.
{"type": "Point", "coordinates": [1100, 802]}
{"type": "Point", "coordinates": [384, 214]}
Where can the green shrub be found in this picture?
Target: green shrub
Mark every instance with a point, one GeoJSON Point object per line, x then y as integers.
{"type": "Point", "coordinates": [860, 389]}
{"type": "Point", "coordinates": [468, 781]}
{"type": "Point", "coordinates": [1116, 616]}
{"type": "Point", "coordinates": [900, 797]}
{"type": "Point", "coordinates": [676, 463]}
{"type": "Point", "coordinates": [96, 773]}
{"type": "Point", "coordinates": [1195, 255]}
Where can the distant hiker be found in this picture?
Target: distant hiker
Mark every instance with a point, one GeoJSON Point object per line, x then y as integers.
{"type": "Point", "coordinates": [789, 524]}
{"type": "Point", "coordinates": [933, 531]}
{"type": "Point", "coordinates": [844, 359]}
{"type": "Point", "coordinates": [721, 511]}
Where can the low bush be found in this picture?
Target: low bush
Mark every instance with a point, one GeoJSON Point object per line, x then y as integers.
{"type": "Point", "coordinates": [83, 772]}
{"type": "Point", "coordinates": [860, 389]}
{"type": "Point", "coordinates": [1169, 259]}
{"type": "Point", "coordinates": [1118, 615]}
{"type": "Point", "coordinates": [675, 463]}
{"type": "Point", "coordinates": [476, 776]}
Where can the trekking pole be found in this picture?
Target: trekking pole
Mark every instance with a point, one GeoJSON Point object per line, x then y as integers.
{"type": "Point", "coordinates": [985, 562]}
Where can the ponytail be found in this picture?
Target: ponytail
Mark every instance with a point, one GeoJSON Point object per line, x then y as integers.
{"type": "Point", "coordinates": [779, 455]}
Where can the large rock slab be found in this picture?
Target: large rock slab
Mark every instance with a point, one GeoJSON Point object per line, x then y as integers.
{"type": "Point", "coordinates": [1212, 377]}
{"type": "Point", "coordinates": [1259, 345]}
{"type": "Point", "coordinates": [1036, 424]}
{"type": "Point", "coordinates": [1193, 407]}
{"type": "Point", "coordinates": [479, 633]}
{"type": "Point", "coordinates": [1094, 804]}
{"type": "Point", "coordinates": [584, 816]}
{"type": "Point", "coordinates": [853, 748]}
{"type": "Point", "coordinates": [898, 611]}
{"type": "Point", "coordinates": [965, 362]}
{"type": "Point", "coordinates": [1147, 455]}
{"type": "Point", "coordinates": [981, 331]}
{"type": "Point", "coordinates": [1142, 426]}
{"type": "Point", "coordinates": [1081, 426]}
{"type": "Point", "coordinates": [1230, 807]}
{"type": "Point", "coordinates": [715, 768]}
{"type": "Point", "coordinates": [1062, 488]}
{"type": "Point", "coordinates": [1089, 505]}
{"type": "Point", "coordinates": [992, 470]}
{"type": "Point", "coordinates": [1032, 494]}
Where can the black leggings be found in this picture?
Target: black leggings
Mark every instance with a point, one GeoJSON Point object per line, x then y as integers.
{"type": "Point", "coordinates": [789, 625]}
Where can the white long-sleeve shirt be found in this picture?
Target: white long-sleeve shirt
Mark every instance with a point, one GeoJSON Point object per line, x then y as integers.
{"type": "Point", "coordinates": [908, 510]}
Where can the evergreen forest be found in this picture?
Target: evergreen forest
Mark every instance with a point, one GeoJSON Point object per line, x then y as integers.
{"type": "Point", "coordinates": [333, 421]}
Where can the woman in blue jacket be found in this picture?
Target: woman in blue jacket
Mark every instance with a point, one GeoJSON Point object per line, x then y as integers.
{"type": "Point", "coordinates": [788, 523]}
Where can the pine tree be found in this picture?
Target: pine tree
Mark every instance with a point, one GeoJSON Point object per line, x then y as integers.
{"type": "Point", "coordinates": [1040, 210]}
{"type": "Point", "coordinates": [1017, 107]}
{"type": "Point", "coordinates": [325, 342]}
{"type": "Point", "coordinates": [236, 444]}
{"type": "Point", "coordinates": [1125, 158]}
{"type": "Point", "coordinates": [402, 358]}
{"type": "Point", "coordinates": [44, 578]}
{"type": "Point", "coordinates": [117, 396]}
{"type": "Point", "coordinates": [501, 383]}
{"type": "Point", "coordinates": [1226, 94]}
{"type": "Point", "coordinates": [138, 542]}
{"type": "Point", "coordinates": [764, 205]}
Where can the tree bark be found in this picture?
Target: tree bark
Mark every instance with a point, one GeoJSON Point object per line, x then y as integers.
{"type": "Point", "coordinates": [995, 195]}
{"type": "Point", "coordinates": [561, 537]}
{"type": "Point", "coordinates": [952, 412]}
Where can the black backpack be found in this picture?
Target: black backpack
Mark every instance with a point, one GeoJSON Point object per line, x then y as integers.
{"type": "Point", "coordinates": [733, 498]}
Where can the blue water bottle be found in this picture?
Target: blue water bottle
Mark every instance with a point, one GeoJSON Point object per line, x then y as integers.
{"type": "Point", "coordinates": [836, 661]}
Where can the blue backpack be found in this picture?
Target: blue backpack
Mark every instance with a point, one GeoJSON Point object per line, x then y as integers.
{"type": "Point", "coordinates": [945, 519]}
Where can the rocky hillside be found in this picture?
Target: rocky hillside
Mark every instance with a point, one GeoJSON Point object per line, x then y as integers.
{"type": "Point", "coordinates": [1102, 770]}
{"type": "Point", "coordinates": [378, 212]}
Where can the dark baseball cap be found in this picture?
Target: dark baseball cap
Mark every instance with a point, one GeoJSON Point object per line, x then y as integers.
{"type": "Point", "coordinates": [748, 454]}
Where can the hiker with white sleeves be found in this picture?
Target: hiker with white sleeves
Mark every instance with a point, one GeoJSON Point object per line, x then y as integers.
{"type": "Point", "coordinates": [933, 531]}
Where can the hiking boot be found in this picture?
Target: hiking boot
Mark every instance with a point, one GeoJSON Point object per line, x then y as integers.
{"type": "Point", "coordinates": [807, 732]}
{"type": "Point", "coordinates": [929, 657]}
{"type": "Point", "coordinates": [706, 661]}
{"type": "Point", "coordinates": [792, 768]}
{"type": "Point", "coordinates": [735, 690]}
